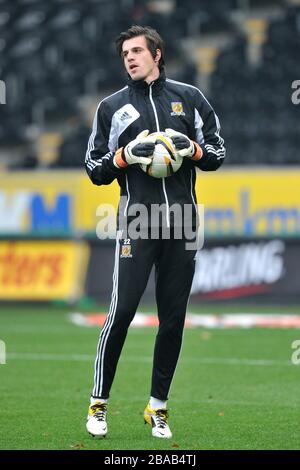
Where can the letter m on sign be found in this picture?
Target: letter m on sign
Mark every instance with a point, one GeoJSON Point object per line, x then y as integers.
{"type": "Point", "coordinates": [50, 219]}
{"type": "Point", "coordinates": [2, 92]}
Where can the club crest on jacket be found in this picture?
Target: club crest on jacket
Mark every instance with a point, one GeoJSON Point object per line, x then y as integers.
{"type": "Point", "coordinates": [177, 109]}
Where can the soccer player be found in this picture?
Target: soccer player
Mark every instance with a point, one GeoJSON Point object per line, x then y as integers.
{"type": "Point", "coordinates": [119, 142]}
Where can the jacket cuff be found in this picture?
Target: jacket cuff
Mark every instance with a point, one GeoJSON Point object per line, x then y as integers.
{"type": "Point", "coordinates": [205, 157]}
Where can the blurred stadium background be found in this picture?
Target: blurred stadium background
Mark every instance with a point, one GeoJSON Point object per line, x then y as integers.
{"type": "Point", "coordinates": [57, 60]}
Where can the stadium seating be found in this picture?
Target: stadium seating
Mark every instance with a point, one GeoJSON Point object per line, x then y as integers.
{"type": "Point", "coordinates": [259, 119]}
{"type": "Point", "coordinates": [56, 52]}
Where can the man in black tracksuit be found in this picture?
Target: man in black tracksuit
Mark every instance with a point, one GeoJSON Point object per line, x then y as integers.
{"type": "Point", "coordinates": [119, 143]}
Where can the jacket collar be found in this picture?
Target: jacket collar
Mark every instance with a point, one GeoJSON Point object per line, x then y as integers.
{"type": "Point", "coordinates": [143, 87]}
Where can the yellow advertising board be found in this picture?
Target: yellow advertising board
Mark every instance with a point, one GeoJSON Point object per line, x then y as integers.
{"type": "Point", "coordinates": [254, 202]}
{"type": "Point", "coordinates": [42, 270]}
{"type": "Point", "coordinates": [262, 202]}
{"type": "Point", "coordinates": [51, 203]}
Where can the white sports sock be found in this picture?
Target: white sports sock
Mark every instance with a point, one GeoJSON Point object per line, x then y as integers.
{"type": "Point", "coordinates": [94, 400]}
{"type": "Point", "coordinates": [156, 404]}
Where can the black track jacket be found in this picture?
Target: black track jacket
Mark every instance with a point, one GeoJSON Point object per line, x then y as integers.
{"type": "Point", "coordinates": [164, 103]}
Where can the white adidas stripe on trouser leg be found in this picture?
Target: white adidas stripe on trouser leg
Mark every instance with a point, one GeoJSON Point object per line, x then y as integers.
{"type": "Point", "coordinates": [98, 375]}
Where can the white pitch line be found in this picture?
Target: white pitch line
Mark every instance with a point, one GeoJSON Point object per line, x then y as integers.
{"type": "Point", "coordinates": [204, 360]}
{"type": "Point", "coordinates": [228, 403]}
{"type": "Point", "coordinates": [49, 357]}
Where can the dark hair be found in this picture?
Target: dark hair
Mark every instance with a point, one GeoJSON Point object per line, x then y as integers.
{"type": "Point", "coordinates": [153, 39]}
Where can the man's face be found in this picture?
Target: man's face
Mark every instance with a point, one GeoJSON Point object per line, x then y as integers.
{"type": "Point", "coordinates": [138, 60]}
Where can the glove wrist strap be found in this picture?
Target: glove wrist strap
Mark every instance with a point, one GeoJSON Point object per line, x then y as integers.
{"type": "Point", "coordinates": [198, 152]}
{"type": "Point", "coordinates": [119, 158]}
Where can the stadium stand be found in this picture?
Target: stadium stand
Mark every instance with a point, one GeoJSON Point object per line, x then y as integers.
{"type": "Point", "coordinates": [57, 54]}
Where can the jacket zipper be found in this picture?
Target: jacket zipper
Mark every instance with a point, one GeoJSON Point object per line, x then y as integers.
{"type": "Point", "coordinates": [163, 179]}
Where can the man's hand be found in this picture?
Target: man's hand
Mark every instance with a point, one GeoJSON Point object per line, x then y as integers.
{"type": "Point", "coordinates": [184, 146]}
{"type": "Point", "coordinates": [137, 151]}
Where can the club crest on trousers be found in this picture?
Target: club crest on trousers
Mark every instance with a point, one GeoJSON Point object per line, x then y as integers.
{"type": "Point", "coordinates": [126, 251]}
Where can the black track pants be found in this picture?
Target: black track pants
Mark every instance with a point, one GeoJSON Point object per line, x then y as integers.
{"type": "Point", "coordinates": [174, 270]}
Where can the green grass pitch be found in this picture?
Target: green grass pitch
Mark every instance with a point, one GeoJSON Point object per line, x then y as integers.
{"type": "Point", "coordinates": [233, 389]}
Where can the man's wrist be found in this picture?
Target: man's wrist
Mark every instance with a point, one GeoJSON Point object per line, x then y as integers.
{"type": "Point", "coordinates": [198, 152]}
{"type": "Point", "coordinates": [118, 160]}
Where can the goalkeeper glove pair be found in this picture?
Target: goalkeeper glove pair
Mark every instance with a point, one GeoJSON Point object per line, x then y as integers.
{"type": "Point", "coordinates": [142, 147]}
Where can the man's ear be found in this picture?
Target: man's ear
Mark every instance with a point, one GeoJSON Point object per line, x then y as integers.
{"type": "Point", "coordinates": [158, 56]}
